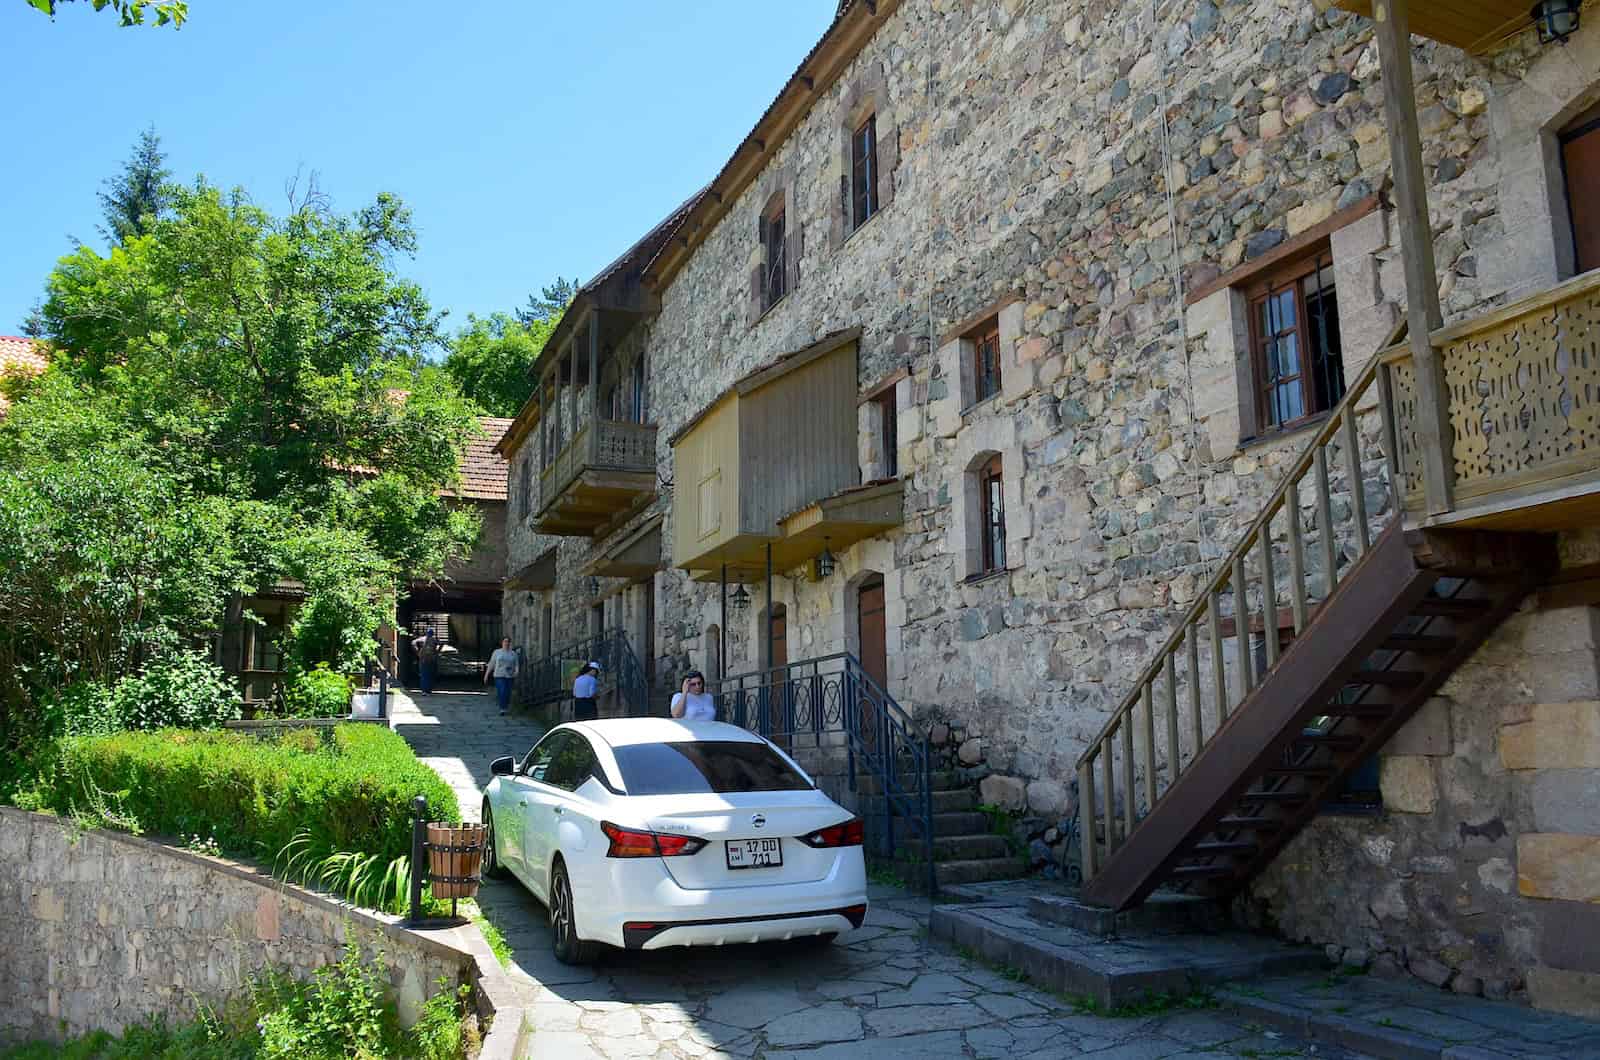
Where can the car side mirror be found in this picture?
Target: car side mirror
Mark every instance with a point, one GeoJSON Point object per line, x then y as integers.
{"type": "Point", "coordinates": [503, 766]}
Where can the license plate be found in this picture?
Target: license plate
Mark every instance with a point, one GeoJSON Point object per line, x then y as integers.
{"type": "Point", "coordinates": [753, 853]}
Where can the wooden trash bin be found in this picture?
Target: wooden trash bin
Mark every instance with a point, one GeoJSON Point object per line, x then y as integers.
{"type": "Point", "coordinates": [455, 859]}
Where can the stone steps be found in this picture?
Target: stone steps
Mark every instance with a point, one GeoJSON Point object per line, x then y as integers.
{"type": "Point", "coordinates": [973, 870]}
{"type": "Point", "coordinates": [1116, 970]}
{"type": "Point", "coordinates": [967, 847]}
{"type": "Point", "coordinates": [943, 802]}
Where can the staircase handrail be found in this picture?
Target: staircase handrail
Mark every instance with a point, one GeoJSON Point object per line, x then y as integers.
{"type": "Point", "coordinates": [616, 656]}
{"type": "Point", "coordinates": [1230, 575]}
{"type": "Point", "coordinates": [894, 733]}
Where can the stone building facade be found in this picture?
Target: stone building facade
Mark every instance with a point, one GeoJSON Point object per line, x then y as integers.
{"type": "Point", "coordinates": [1093, 188]}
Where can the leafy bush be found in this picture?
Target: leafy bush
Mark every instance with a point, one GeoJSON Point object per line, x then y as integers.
{"type": "Point", "coordinates": [179, 690]}
{"type": "Point", "coordinates": [253, 796]}
{"type": "Point", "coordinates": [318, 693]}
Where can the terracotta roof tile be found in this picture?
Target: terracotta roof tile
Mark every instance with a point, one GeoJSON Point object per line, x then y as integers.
{"type": "Point", "coordinates": [484, 472]}
{"type": "Point", "coordinates": [19, 355]}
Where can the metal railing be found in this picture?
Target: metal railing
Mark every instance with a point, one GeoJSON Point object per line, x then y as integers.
{"type": "Point", "coordinates": [832, 695]}
{"type": "Point", "coordinates": [1307, 536]}
{"type": "Point", "coordinates": [549, 679]}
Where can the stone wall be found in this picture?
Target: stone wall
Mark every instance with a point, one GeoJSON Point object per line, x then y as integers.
{"type": "Point", "coordinates": [108, 929]}
{"type": "Point", "coordinates": [487, 563]}
{"type": "Point", "coordinates": [1080, 168]}
{"type": "Point", "coordinates": [1483, 871]}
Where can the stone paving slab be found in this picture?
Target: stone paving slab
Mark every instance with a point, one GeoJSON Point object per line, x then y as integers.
{"type": "Point", "coordinates": [1403, 1018]}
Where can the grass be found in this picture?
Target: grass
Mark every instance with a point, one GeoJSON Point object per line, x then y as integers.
{"type": "Point", "coordinates": [491, 934]}
{"type": "Point", "coordinates": [1151, 1003]}
{"type": "Point", "coordinates": [884, 876]}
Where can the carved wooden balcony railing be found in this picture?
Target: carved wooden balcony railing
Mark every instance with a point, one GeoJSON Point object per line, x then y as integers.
{"type": "Point", "coordinates": [1524, 390]}
{"type": "Point", "coordinates": [604, 471]}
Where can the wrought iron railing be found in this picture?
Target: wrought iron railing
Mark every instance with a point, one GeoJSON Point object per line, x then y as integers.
{"type": "Point", "coordinates": [549, 680]}
{"type": "Point", "coordinates": [835, 695]}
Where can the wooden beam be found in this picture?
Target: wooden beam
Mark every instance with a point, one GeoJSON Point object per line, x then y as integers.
{"type": "Point", "coordinates": [1437, 443]}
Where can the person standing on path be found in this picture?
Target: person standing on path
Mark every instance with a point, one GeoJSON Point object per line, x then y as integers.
{"type": "Point", "coordinates": [503, 667]}
{"type": "Point", "coordinates": [694, 703]}
{"type": "Point", "coordinates": [583, 689]}
{"type": "Point", "coordinates": [427, 648]}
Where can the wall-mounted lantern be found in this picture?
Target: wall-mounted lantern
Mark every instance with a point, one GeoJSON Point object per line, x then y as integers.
{"type": "Point", "coordinates": [740, 599]}
{"type": "Point", "coordinates": [1556, 19]}
{"type": "Point", "coordinates": [825, 562]}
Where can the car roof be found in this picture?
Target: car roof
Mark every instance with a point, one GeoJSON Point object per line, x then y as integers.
{"type": "Point", "coordinates": [621, 732]}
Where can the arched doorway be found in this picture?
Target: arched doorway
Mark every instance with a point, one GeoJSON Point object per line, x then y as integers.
{"type": "Point", "coordinates": [873, 630]}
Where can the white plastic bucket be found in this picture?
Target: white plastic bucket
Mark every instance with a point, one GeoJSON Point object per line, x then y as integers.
{"type": "Point", "coordinates": [364, 705]}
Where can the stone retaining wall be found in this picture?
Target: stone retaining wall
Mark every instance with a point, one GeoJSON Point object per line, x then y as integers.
{"type": "Point", "coordinates": [103, 930]}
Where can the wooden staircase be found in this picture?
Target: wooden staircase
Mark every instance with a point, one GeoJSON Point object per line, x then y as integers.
{"type": "Point", "coordinates": [1413, 609]}
{"type": "Point", "coordinates": [1328, 625]}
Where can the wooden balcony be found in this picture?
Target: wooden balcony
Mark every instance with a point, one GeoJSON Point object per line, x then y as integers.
{"type": "Point", "coordinates": [605, 471]}
{"type": "Point", "coordinates": [1523, 386]}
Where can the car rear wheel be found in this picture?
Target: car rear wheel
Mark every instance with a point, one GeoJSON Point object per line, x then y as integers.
{"type": "Point", "coordinates": [564, 940]}
{"type": "Point", "coordinates": [492, 869]}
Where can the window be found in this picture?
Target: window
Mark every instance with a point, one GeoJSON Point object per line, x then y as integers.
{"type": "Point", "coordinates": [889, 435]}
{"type": "Point", "coordinates": [864, 172]}
{"type": "Point", "coordinates": [775, 270]}
{"type": "Point", "coordinates": [537, 762]}
{"type": "Point", "coordinates": [1298, 361]}
{"type": "Point", "coordinates": [637, 412]}
{"type": "Point", "coordinates": [705, 767]}
{"type": "Point", "coordinates": [1580, 162]}
{"type": "Point", "coordinates": [986, 361]}
{"type": "Point", "coordinates": [991, 497]}
{"type": "Point", "coordinates": [571, 763]}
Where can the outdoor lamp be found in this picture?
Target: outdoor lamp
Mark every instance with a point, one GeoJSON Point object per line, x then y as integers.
{"type": "Point", "coordinates": [740, 599]}
{"type": "Point", "coordinates": [825, 562]}
{"type": "Point", "coordinates": [593, 585]}
{"type": "Point", "coordinates": [1557, 19]}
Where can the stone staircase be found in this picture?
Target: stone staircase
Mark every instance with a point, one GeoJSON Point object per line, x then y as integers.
{"type": "Point", "coordinates": [965, 850]}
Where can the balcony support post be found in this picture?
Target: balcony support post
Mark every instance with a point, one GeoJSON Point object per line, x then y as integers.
{"type": "Point", "coordinates": [1424, 316]}
{"type": "Point", "coordinates": [594, 385]}
{"type": "Point", "coordinates": [722, 631]}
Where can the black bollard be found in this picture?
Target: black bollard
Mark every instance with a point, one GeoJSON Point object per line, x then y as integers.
{"type": "Point", "coordinates": [419, 815]}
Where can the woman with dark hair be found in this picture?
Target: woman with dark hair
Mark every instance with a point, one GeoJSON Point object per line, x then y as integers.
{"type": "Point", "coordinates": [694, 703]}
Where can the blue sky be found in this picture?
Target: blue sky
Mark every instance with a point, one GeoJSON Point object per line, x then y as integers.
{"type": "Point", "coordinates": [531, 138]}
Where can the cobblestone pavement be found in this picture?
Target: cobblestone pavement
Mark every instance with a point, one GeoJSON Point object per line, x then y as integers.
{"type": "Point", "coordinates": [884, 991]}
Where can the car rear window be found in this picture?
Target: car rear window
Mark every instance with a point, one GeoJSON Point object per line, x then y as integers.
{"type": "Point", "coordinates": [699, 767]}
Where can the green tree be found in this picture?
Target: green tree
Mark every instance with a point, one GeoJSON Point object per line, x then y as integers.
{"type": "Point", "coordinates": [551, 301]}
{"type": "Point", "coordinates": [490, 359]}
{"type": "Point", "coordinates": [136, 198]}
{"type": "Point", "coordinates": [277, 360]}
{"type": "Point", "coordinates": [129, 12]}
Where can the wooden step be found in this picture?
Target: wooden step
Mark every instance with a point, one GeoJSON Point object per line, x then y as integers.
{"type": "Point", "coordinates": [1233, 823]}
{"type": "Point", "coordinates": [1315, 772]}
{"type": "Point", "coordinates": [1387, 678]}
{"type": "Point", "coordinates": [1199, 872]}
{"type": "Point", "coordinates": [1282, 798]}
{"type": "Point", "coordinates": [1419, 643]}
{"type": "Point", "coordinates": [1451, 608]}
{"type": "Point", "coordinates": [1358, 710]}
{"type": "Point", "coordinates": [1219, 848]}
{"type": "Point", "coordinates": [1332, 741]}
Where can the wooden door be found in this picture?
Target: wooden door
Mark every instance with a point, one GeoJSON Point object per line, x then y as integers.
{"type": "Point", "coordinates": [1580, 156]}
{"type": "Point", "coordinates": [778, 645]}
{"type": "Point", "coordinates": [874, 644]}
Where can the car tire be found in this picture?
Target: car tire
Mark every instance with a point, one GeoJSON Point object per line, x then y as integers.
{"type": "Point", "coordinates": [492, 867]}
{"type": "Point", "coordinates": [564, 940]}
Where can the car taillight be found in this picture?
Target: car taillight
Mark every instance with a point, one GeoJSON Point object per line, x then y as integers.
{"type": "Point", "coordinates": [844, 834]}
{"type": "Point", "coordinates": [632, 843]}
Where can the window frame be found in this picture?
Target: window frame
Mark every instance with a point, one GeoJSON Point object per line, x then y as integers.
{"type": "Point", "coordinates": [864, 203]}
{"type": "Point", "coordinates": [889, 432]}
{"type": "Point", "coordinates": [1584, 125]}
{"type": "Point", "coordinates": [985, 336]}
{"type": "Point", "coordinates": [992, 516]}
{"type": "Point", "coordinates": [774, 257]}
{"type": "Point", "coordinates": [1292, 275]}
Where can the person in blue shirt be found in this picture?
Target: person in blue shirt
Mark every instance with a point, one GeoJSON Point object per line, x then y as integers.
{"type": "Point", "coordinates": [583, 689]}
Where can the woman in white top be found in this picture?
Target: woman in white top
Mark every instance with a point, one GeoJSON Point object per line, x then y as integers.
{"type": "Point", "coordinates": [694, 703]}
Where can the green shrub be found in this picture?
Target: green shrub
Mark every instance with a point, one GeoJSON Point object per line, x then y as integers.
{"type": "Point", "coordinates": [178, 690]}
{"type": "Point", "coordinates": [255, 796]}
{"type": "Point", "coordinates": [318, 693]}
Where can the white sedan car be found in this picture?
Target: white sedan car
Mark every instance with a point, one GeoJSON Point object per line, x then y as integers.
{"type": "Point", "coordinates": [650, 832]}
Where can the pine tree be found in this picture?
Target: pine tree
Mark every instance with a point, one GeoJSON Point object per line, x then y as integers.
{"type": "Point", "coordinates": [138, 196]}
{"type": "Point", "coordinates": [549, 302]}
